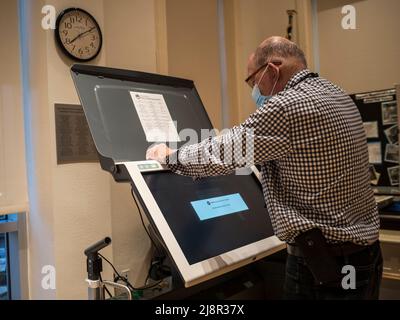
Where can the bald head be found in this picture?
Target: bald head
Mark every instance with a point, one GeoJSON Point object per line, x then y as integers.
{"type": "Point", "coordinates": [280, 49]}
{"type": "Point", "coordinates": [286, 59]}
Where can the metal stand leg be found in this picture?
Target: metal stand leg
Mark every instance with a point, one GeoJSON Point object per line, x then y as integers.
{"type": "Point", "coordinates": [95, 290]}
{"type": "Point", "coordinates": [94, 268]}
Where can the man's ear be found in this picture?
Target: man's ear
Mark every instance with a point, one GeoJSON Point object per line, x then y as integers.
{"type": "Point", "coordinates": [275, 72]}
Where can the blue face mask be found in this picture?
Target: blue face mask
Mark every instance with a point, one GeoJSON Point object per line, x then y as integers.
{"type": "Point", "coordinates": [258, 98]}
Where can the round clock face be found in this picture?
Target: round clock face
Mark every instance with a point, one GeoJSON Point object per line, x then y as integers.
{"type": "Point", "coordinates": [78, 34]}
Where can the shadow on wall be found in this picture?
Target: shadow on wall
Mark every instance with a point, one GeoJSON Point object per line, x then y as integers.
{"type": "Point", "coordinates": [323, 5]}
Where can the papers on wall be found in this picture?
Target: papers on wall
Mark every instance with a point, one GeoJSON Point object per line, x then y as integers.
{"type": "Point", "coordinates": [389, 113]}
{"type": "Point", "coordinates": [375, 154]}
{"type": "Point", "coordinates": [374, 175]}
{"type": "Point", "coordinates": [392, 134]}
{"type": "Point", "coordinates": [377, 96]}
{"type": "Point", "coordinates": [392, 153]}
{"type": "Point", "coordinates": [371, 129]}
{"type": "Point", "coordinates": [155, 118]}
{"type": "Point", "coordinates": [393, 173]}
{"type": "Point", "coordinates": [375, 100]}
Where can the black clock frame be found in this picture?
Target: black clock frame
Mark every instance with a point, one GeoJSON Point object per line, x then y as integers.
{"type": "Point", "coordinates": [60, 43]}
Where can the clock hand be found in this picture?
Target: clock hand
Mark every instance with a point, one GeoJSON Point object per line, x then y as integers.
{"type": "Point", "coordinates": [81, 34]}
{"type": "Point", "coordinates": [78, 36]}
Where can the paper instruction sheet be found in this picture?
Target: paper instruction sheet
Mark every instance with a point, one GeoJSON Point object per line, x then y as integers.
{"type": "Point", "coordinates": [375, 155]}
{"type": "Point", "coordinates": [155, 118]}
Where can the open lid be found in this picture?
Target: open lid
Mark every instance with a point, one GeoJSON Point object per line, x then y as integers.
{"type": "Point", "coordinates": [118, 105]}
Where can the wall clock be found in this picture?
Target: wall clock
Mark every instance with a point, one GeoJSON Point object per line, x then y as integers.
{"type": "Point", "coordinates": [78, 34]}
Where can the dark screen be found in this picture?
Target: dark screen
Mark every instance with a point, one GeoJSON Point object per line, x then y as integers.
{"type": "Point", "coordinates": [201, 240]}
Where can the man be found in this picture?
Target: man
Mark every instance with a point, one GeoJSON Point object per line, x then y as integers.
{"type": "Point", "coordinates": [311, 145]}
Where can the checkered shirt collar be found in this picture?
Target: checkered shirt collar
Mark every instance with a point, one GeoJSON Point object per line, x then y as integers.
{"type": "Point", "coordinates": [296, 78]}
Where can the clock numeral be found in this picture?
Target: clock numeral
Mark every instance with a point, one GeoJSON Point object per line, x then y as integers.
{"type": "Point", "coordinates": [93, 37]}
{"type": "Point", "coordinates": [68, 25]}
{"type": "Point", "coordinates": [80, 51]}
{"type": "Point", "coordinates": [67, 40]}
{"type": "Point", "coordinates": [74, 48]}
{"type": "Point", "coordinates": [92, 45]}
{"type": "Point", "coordinates": [65, 32]}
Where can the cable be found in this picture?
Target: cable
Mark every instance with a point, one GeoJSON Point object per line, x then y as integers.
{"type": "Point", "coordinates": [112, 266]}
{"type": "Point", "coordinates": [150, 237]}
{"type": "Point", "coordinates": [109, 293]}
{"type": "Point", "coordinates": [119, 277]}
{"type": "Point", "coordinates": [141, 218]}
{"type": "Point", "coordinates": [144, 225]}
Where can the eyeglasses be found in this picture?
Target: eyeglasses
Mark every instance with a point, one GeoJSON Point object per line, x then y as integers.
{"type": "Point", "coordinates": [277, 63]}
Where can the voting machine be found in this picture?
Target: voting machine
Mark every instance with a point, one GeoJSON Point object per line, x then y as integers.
{"type": "Point", "coordinates": [209, 226]}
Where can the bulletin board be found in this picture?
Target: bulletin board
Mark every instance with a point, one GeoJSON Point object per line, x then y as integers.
{"type": "Point", "coordinates": [379, 112]}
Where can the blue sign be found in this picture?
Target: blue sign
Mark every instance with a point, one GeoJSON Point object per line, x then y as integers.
{"type": "Point", "coordinates": [219, 206]}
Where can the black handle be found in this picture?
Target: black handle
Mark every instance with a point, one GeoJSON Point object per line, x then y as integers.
{"type": "Point", "coordinates": [94, 248]}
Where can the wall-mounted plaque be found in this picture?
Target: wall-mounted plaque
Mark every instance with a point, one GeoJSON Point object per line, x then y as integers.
{"type": "Point", "coordinates": [74, 141]}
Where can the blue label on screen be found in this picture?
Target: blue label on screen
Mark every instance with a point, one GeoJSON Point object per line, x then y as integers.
{"type": "Point", "coordinates": [219, 206]}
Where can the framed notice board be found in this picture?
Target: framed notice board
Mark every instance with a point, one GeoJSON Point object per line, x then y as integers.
{"type": "Point", "coordinates": [380, 114]}
{"type": "Point", "coordinates": [74, 141]}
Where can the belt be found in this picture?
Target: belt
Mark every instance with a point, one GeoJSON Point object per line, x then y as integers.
{"type": "Point", "coordinates": [343, 249]}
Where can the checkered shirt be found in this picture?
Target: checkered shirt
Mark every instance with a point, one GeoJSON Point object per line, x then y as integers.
{"type": "Point", "coordinates": [312, 148]}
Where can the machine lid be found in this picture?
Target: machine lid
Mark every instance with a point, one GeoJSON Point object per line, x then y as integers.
{"type": "Point", "coordinates": [128, 111]}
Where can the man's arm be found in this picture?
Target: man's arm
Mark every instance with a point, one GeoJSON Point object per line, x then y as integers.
{"type": "Point", "coordinates": [264, 136]}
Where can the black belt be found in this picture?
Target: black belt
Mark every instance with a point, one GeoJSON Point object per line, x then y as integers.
{"type": "Point", "coordinates": [344, 249]}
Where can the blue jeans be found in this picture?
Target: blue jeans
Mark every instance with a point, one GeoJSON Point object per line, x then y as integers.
{"type": "Point", "coordinates": [368, 264]}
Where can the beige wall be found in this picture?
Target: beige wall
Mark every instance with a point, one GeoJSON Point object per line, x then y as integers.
{"type": "Point", "coordinates": [12, 145]}
{"type": "Point", "coordinates": [130, 33]}
{"type": "Point", "coordinates": [248, 23]}
{"type": "Point", "coordinates": [193, 49]}
{"type": "Point", "coordinates": [366, 58]}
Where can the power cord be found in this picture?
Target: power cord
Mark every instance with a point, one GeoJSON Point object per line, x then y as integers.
{"type": "Point", "coordinates": [108, 291]}
{"type": "Point", "coordinates": [119, 277]}
{"type": "Point", "coordinates": [144, 225]}
{"type": "Point", "coordinates": [156, 267]}
{"type": "Point", "coordinates": [141, 219]}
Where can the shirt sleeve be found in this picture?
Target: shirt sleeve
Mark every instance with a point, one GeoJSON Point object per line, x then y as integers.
{"type": "Point", "coordinates": [264, 136]}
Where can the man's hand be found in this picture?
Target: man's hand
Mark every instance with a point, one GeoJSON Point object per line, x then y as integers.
{"type": "Point", "coordinates": [159, 153]}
